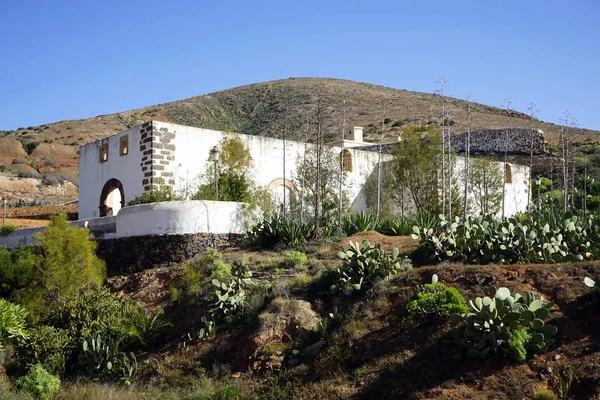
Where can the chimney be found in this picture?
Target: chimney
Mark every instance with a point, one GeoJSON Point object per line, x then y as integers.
{"type": "Point", "coordinates": [356, 134]}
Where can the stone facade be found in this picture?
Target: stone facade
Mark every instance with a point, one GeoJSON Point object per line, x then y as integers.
{"type": "Point", "coordinates": [513, 140]}
{"type": "Point", "coordinates": [133, 254]}
{"type": "Point", "coordinates": [157, 146]}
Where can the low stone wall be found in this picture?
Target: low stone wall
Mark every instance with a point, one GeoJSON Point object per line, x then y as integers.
{"type": "Point", "coordinates": [131, 254]}
{"type": "Point", "coordinates": [513, 140]}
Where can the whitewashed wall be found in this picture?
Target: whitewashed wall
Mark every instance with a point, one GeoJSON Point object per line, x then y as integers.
{"type": "Point", "coordinates": [93, 174]}
{"type": "Point", "coordinates": [180, 217]}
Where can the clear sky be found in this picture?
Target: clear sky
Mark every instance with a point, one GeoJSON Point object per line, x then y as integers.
{"type": "Point", "coordinates": [82, 58]}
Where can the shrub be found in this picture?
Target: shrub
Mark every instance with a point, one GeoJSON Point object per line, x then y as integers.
{"type": "Point", "coordinates": [162, 193]}
{"type": "Point", "coordinates": [228, 392]}
{"type": "Point", "coordinates": [7, 230]}
{"type": "Point", "coordinates": [363, 266]}
{"type": "Point", "coordinates": [17, 269]}
{"type": "Point", "coordinates": [12, 322]}
{"type": "Point", "coordinates": [294, 259]}
{"type": "Point", "coordinates": [436, 299]}
{"type": "Point", "coordinates": [18, 161]}
{"type": "Point", "coordinates": [28, 174]}
{"type": "Point", "coordinates": [48, 346]}
{"type": "Point", "coordinates": [40, 383]}
{"type": "Point", "coordinates": [89, 313]}
{"type": "Point", "coordinates": [513, 325]}
{"type": "Point", "coordinates": [69, 261]}
{"type": "Point", "coordinates": [3, 168]}
{"type": "Point", "coordinates": [51, 180]}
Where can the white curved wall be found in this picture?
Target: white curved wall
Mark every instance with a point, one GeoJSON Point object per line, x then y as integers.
{"type": "Point", "coordinates": [180, 217]}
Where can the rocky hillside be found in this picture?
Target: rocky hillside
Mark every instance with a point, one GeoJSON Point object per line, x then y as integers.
{"type": "Point", "coordinates": [269, 107]}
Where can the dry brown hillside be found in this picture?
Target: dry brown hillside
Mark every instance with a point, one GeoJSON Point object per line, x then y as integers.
{"type": "Point", "coordinates": [267, 109]}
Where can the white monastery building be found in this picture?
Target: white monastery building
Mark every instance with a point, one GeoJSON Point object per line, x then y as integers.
{"type": "Point", "coordinates": [115, 170]}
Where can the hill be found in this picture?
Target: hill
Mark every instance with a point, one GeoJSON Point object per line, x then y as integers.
{"type": "Point", "coordinates": [268, 107]}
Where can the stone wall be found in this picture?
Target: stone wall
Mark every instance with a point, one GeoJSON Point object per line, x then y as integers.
{"type": "Point", "coordinates": [138, 253]}
{"type": "Point", "coordinates": [514, 140]}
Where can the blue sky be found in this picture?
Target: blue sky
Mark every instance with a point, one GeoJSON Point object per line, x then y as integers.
{"type": "Point", "coordinates": [78, 59]}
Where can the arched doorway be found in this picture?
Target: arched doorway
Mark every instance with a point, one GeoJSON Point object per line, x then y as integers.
{"type": "Point", "coordinates": [281, 189]}
{"type": "Point", "coordinates": [112, 198]}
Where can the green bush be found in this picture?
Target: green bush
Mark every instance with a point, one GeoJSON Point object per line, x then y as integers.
{"type": "Point", "coordinates": [162, 193]}
{"type": "Point", "coordinates": [12, 322]}
{"type": "Point", "coordinates": [7, 230]}
{"type": "Point", "coordinates": [17, 269]}
{"type": "Point", "coordinates": [436, 299]}
{"type": "Point", "coordinates": [89, 313]}
{"type": "Point", "coordinates": [294, 259]}
{"type": "Point", "coordinates": [48, 346]}
{"type": "Point", "coordinates": [68, 263]}
{"type": "Point", "coordinates": [364, 265]}
{"type": "Point", "coordinates": [39, 383]}
{"type": "Point", "coordinates": [513, 325]}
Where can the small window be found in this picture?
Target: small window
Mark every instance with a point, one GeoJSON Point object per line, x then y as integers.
{"type": "Point", "coordinates": [104, 152]}
{"type": "Point", "coordinates": [508, 174]}
{"type": "Point", "coordinates": [124, 145]}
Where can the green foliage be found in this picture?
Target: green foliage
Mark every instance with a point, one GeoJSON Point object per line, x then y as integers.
{"type": "Point", "coordinates": [232, 175]}
{"type": "Point", "coordinates": [487, 239]}
{"type": "Point", "coordinates": [231, 295]}
{"type": "Point", "coordinates": [331, 322]}
{"type": "Point", "coordinates": [510, 324]}
{"type": "Point", "coordinates": [144, 328]}
{"type": "Point", "coordinates": [518, 339]}
{"type": "Point", "coordinates": [7, 230]}
{"type": "Point", "coordinates": [364, 265]}
{"type": "Point", "coordinates": [69, 261]}
{"type": "Point", "coordinates": [156, 195]}
{"type": "Point", "coordinates": [359, 222]}
{"type": "Point", "coordinates": [48, 346]}
{"type": "Point", "coordinates": [17, 269]}
{"type": "Point", "coordinates": [12, 322]}
{"type": "Point", "coordinates": [91, 312]}
{"type": "Point", "coordinates": [39, 383]}
{"type": "Point", "coordinates": [436, 299]}
{"type": "Point", "coordinates": [275, 230]}
{"type": "Point", "coordinates": [207, 330]}
{"type": "Point", "coordinates": [104, 360]}
{"type": "Point", "coordinates": [294, 259]}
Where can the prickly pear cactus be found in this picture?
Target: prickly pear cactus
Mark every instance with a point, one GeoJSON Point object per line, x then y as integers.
{"type": "Point", "coordinates": [489, 327]}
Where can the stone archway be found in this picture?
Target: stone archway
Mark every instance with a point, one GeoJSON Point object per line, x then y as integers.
{"type": "Point", "coordinates": [280, 187]}
{"type": "Point", "coordinates": [112, 198]}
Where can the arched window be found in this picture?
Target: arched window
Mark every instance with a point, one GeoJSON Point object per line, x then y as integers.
{"type": "Point", "coordinates": [112, 198]}
{"type": "Point", "coordinates": [508, 173]}
{"type": "Point", "coordinates": [347, 160]}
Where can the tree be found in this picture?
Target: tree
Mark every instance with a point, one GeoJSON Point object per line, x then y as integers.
{"type": "Point", "coordinates": [415, 168]}
{"type": "Point", "coordinates": [486, 186]}
{"type": "Point", "coordinates": [232, 175]}
{"type": "Point", "coordinates": [328, 187]}
{"type": "Point", "coordinates": [69, 261]}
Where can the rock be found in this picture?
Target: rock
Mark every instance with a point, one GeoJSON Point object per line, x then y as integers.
{"type": "Point", "coordinates": [313, 350]}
